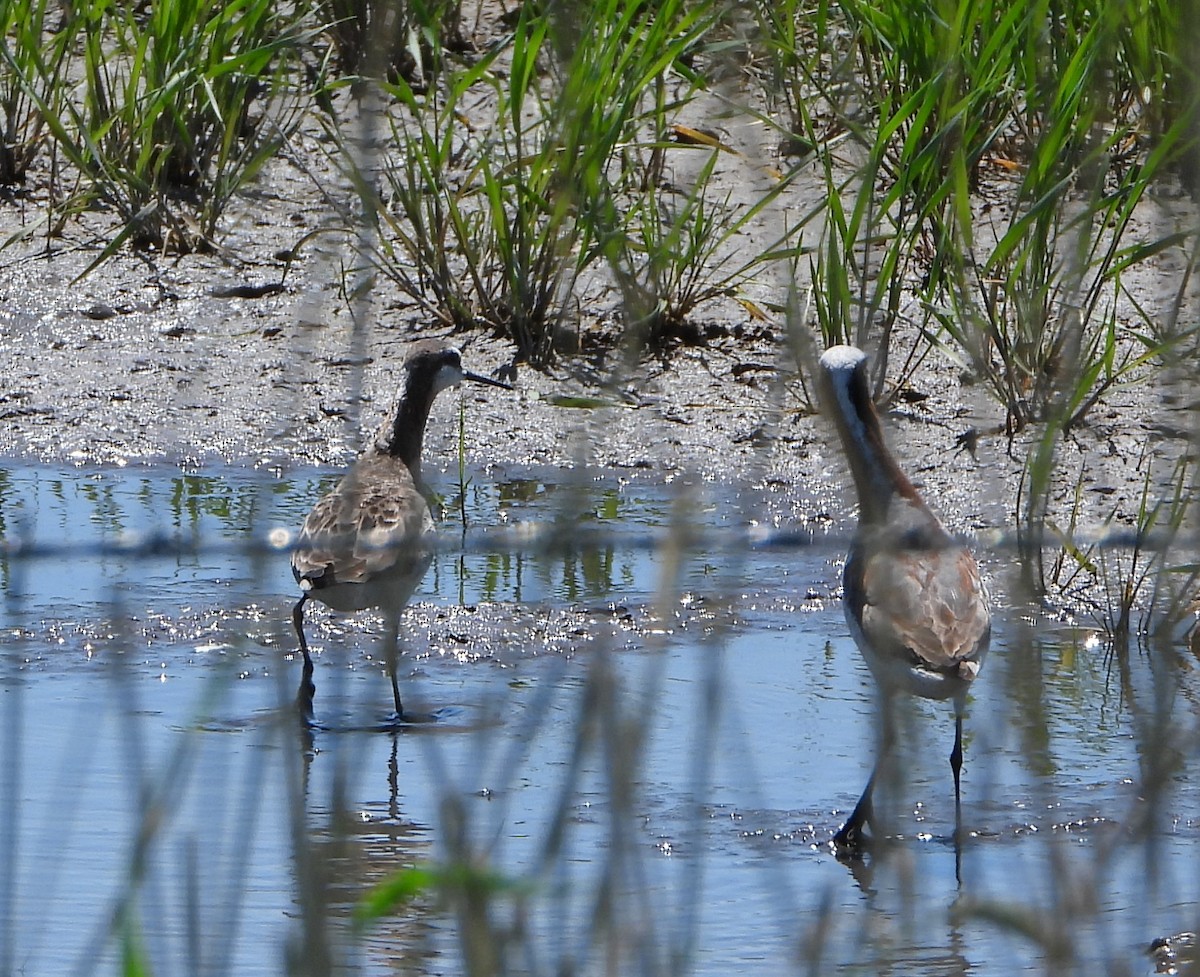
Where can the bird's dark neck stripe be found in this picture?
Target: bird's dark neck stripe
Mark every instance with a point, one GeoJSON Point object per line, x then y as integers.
{"type": "Point", "coordinates": [402, 434]}
{"type": "Point", "coordinates": [877, 477]}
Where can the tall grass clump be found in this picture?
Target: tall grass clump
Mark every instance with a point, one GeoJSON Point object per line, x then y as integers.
{"type": "Point", "coordinates": [492, 223]}
{"type": "Point", "coordinates": [937, 80]}
{"type": "Point", "coordinates": [33, 61]}
{"type": "Point", "coordinates": [178, 108]}
{"type": "Point", "coordinates": [1040, 108]}
{"type": "Point", "coordinates": [1047, 322]}
{"type": "Point", "coordinates": [939, 76]}
{"type": "Point", "coordinates": [675, 250]}
{"type": "Point", "coordinates": [1040, 306]}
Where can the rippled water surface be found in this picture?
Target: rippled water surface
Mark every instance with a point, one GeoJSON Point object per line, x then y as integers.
{"type": "Point", "coordinates": [156, 793]}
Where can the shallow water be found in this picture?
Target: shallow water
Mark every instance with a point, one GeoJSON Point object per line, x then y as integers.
{"type": "Point", "coordinates": [151, 772]}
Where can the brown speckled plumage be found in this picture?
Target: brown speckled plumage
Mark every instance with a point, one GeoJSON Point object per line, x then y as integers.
{"type": "Point", "coordinates": [374, 528]}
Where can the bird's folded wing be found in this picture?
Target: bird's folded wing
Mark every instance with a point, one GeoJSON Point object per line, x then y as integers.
{"type": "Point", "coordinates": [928, 602]}
{"type": "Point", "coordinates": [362, 529]}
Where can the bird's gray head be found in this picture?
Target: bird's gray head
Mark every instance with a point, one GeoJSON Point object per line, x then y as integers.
{"type": "Point", "coordinates": [432, 366]}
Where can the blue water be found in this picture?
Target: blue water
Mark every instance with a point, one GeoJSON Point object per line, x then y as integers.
{"type": "Point", "coordinates": [152, 783]}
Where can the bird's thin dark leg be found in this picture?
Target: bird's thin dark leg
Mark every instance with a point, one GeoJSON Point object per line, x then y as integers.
{"type": "Point", "coordinates": [396, 692]}
{"type": "Point", "coordinates": [392, 654]}
{"type": "Point", "coordinates": [956, 765]}
{"type": "Point", "coordinates": [850, 837]}
{"type": "Point", "coordinates": [304, 695]}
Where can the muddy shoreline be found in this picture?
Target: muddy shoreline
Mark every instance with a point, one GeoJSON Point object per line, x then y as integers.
{"type": "Point", "coordinates": [132, 366]}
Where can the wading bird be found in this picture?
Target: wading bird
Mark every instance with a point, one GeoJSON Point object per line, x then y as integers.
{"type": "Point", "coordinates": [913, 598]}
{"type": "Point", "coordinates": [369, 541]}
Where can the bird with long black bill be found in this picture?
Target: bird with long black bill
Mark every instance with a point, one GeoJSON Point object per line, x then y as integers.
{"type": "Point", "coordinates": [369, 541]}
{"type": "Point", "coordinates": [913, 597]}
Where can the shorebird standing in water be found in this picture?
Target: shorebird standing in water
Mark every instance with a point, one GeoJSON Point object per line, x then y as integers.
{"type": "Point", "coordinates": [369, 541]}
{"type": "Point", "coordinates": [913, 598]}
